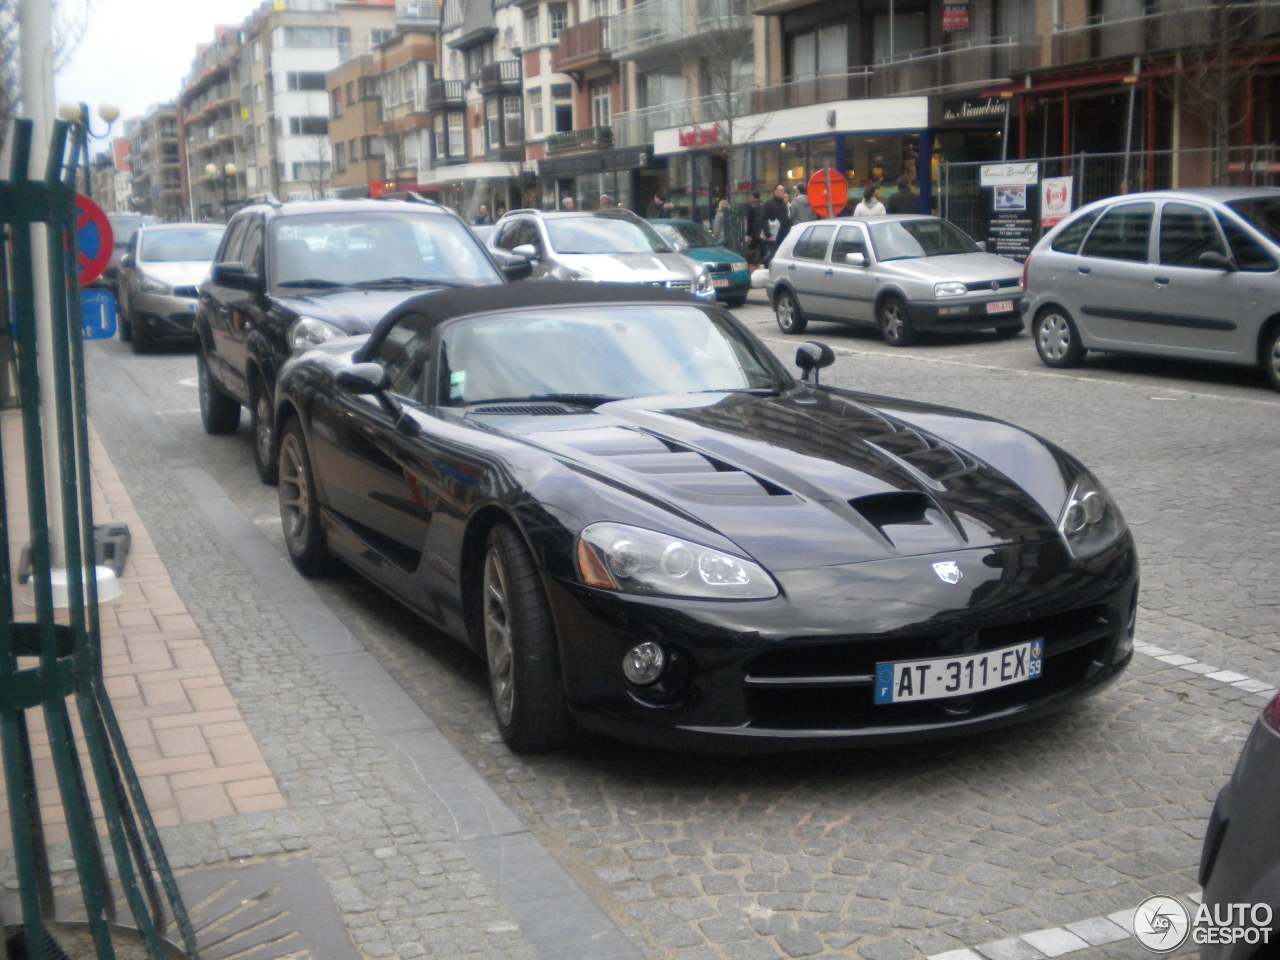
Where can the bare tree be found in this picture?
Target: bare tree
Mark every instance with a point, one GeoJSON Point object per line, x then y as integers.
{"type": "Point", "coordinates": [70, 23]}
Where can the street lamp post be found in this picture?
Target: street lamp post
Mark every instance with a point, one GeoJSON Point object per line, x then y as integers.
{"type": "Point", "coordinates": [228, 171]}
{"type": "Point", "coordinates": [78, 114]}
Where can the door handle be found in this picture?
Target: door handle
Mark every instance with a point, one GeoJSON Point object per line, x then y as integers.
{"type": "Point", "coordinates": [828, 272]}
{"type": "Point", "coordinates": [1084, 269]}
{"type": "Point", "coordinates": [1162, 281]}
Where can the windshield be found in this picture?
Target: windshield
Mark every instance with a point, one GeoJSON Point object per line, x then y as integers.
{"type": "Point", "coordinates": [909, 239]}
{"type": "Point", "coordinates": [1263, 213]}
{"type": "Point", "coordinates": [603, 235]}
{"type": "Point", "coordinates": [176, 246]}
{"type": "Point", "coordinates": [695, 235]}
{"type": "Point", "coordinates": [587, 354]}
{"type": "Point", "coordinates": [124, 227]}
{"type": "Point", "coordinates": [348, 248]}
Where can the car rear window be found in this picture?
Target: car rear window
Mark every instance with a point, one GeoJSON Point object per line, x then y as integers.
{"type": "Point", "coordinates": [813, 244]}
{"type": "Point", "coordinates": [1123, 233]}
{"type": "Point", "coordinates": [1072, 235]}
{"type": "Point", "coordinates": [1250, 255]}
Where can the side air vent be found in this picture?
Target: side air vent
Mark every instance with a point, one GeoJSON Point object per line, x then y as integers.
{"type": "Point", "coordinates": [890, 509]}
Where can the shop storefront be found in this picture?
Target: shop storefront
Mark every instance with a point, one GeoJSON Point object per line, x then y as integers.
{"type": "Point", "coordinates": [629, 176]}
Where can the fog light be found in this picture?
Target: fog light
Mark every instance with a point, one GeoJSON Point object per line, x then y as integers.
{"type": "Point", "coordinates": [644, 663]}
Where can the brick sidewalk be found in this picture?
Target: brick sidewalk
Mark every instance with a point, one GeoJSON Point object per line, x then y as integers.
{"type": "Point", "coordinates": [193, 752]}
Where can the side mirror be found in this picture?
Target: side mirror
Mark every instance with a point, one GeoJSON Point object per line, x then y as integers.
{"type": "Point", "coordinates": [856, 259]}
{"type": "Point", "coordinates": [1213, 260]}
{"type": "Point", "coordinates": [526, 250]}
{"type": "Point", "coordinates": [512, 265]}
{"type": "Point", "coordinates": [982, 245]}
{"type": "Point", "coordinates": [126, 260]}
{"type": "Point", "coordinates": [363, 378]}
{"type": "Point", "coordinates": [812, 357]}
{"type": "Point", "coordinates": [232, 273]}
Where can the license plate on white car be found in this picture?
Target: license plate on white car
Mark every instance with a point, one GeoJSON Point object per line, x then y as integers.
{"type": "Point", "coordinates": [942, 677]}
{"type": "Point", "coordinates": [1000, 306]}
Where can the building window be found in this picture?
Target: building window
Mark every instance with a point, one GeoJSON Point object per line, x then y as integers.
{"type": "Point", "coordinates": [296, 80]}
{"type": "Point", "coordinates": [492, 133]}
{"type": "Point", "coordinates": [257, 93]}
{"type": "Point", "coordinates": [374, 149]}
{"type": "Point", "coordinates": [531, 37]}
{"type": "Point", "coordinates": [309, 37]}
{"type": "Point", "coordinates": [457, 134]}
{"type": "Point", "coordinates": [601, 105]}
{"type": "Point", "coordinates": [558, 14]}
{"type": "Point", "coordinates": [512, 127]}
{"type": "Point", "coordinates": [535, 112]}
{"type": "Point", "coordinates": [380, 36]}
{"type": "Point", "coordinates": [335, 103]}
{"type": "Point", "coordinates": [353, 147]}
{"type": "Point", "coordinates": [308, 126]}
{"type": "Point", "coordinates": [340, 157]}
{"type": "Point", "coordinates": [562, 107]}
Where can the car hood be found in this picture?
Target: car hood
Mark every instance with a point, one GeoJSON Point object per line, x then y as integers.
{"type": "Point", "coordinates": [631, 267]}
{"type": "Point", "coordinates": [176, 273]}
{"type": "Point", "coordinates": [813, 479]}
{"type": "Point", "coordinates": [967, 267]}
{"type": "Point", "coordinates": [352, 311]}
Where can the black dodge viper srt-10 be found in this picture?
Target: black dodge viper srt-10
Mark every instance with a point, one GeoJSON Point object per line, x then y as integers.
{"type": "Point", "coordinates": [648, 528]}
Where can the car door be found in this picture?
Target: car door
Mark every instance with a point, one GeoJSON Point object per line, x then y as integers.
{"type": "Point", "coordinates": [1115, 277]}
{"type": "Point", "coordinates": [852, 285]}
{"type": "Point", "coordinates": [234, 305]}
{"type": "Point", "coordinates": [1195, 300]}
{"type": "Point", "coordinates": [808, 272]}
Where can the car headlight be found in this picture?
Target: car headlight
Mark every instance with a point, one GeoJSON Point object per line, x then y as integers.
{"type": "Point", "coordinates": [616, 556]}
{"type": "Point", "coordinates": [308, 332]}
{"type": "Point", "coordinates": [147, 285]}
{"type": "Point", "coordinates": [952, 288]}
{"type": "Point", "coordinates": [738, 265]}
{"type": "Point", "coordinates": [704, 287]}
{"type": "Point", "coordinates": [1090, 521]}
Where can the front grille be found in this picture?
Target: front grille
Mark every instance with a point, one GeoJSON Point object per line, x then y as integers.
{"type": "Point", "coordinates": [985, 286]}
{"type": "Point", "coordinates": [829, 685]}
{"type": "Point", "coordinates": [676, 284]}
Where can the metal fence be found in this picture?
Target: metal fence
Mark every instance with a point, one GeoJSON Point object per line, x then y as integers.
{"type": "Point", "coordinates": [960, 198]}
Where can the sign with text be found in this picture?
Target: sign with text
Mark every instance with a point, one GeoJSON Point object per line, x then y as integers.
{"type": "Point", "coordinates": [1010, 174]}
{"type": "Point", "coordinates": [1055, 200]}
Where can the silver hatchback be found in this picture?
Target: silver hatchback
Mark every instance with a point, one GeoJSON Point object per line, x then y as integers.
{"type": "Point", "coordinates": [1170, 273]}
{"type": "Point", "coordinates": [904, 274]}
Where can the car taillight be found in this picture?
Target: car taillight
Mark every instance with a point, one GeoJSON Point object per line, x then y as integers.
{"type": "Point", "coordinates": [1271, 713]}
{"type": "Point", "coordinates": [1025, 265]}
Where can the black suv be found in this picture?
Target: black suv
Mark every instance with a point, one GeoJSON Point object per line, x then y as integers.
{"type": "Point", "coordinates": [291, 275]}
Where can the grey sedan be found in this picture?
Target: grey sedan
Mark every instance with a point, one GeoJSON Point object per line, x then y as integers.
{"type": "Point", "coordinates": [159, 281]}
{"type": "Point", "coordinates": [1170, 273]}
{"type": "Point", "coordinates": [904, 274]}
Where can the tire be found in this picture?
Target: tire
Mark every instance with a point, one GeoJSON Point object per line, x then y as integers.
{"type": "Point", "coordinates": [304, 537]}
{"type": "Point", "coordinates": [735, 301]}
{"type": "Point", "coordinates": [895, 322]}
{"type": "Point", "coordinates": [520, 647]}
{"type": "Point", "coordinates": [124, 325]}
{"type": "Point", "coordinates": [1009, 330]}
{"type": "Point", "coordinates": [786, 310]}
{"type": "Point", "coordinates": [1057, 339]}
{"type": "Point", "coordinates": [219, 413]}
{"type": "Point", "coordinates": [1271, 356]}
{"type": "Point", "coordinates": [261, 417]}
{"type": "Point", "coordinates": [140, 340]}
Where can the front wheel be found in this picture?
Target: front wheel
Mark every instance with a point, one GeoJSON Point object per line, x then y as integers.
{"type": "Point", "coordinates": [787, 311]}
{"type": "Point", "coordinates": [299, 508]}
{"type": "Point", "coordinates": [895, 323]}
{"type": "Point", "coordinates": [218, 412]}
{"type": "Point", "coordinates": [1271, 359]}
{"type": "Point", "coordinates": [1057, 339]}
{"type": "Point", "coordinates": [124, 324]}
{"type": "Point", "coordinates": [520, 647]}
{"type": "Point", "coordinates": [260, 418]}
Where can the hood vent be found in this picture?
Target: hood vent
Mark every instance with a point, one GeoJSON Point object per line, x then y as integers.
{"type": "Point", "coordinates": [889, 509]}
{"type": "Point", "coordinates": [525, 409]}
{"type": "Point", "coordinates": [926, 456]}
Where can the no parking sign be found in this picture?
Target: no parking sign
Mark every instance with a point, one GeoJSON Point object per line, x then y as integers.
{"type": "Point", "coordinates": [93, 239]}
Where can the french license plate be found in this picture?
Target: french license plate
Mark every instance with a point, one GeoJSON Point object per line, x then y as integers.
{"type": "Point", "coordinates": [942, 677]}
{"type": "Point", "coordinates": [1000, 306]}
{"type": "Point", "coordinates": [722, 282]}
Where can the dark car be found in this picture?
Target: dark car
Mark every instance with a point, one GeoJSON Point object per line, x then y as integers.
{"type": "Point", "coordinates": [648, 528]}
{"type": "Point", "coordinates": [296, 274]}
{"type": "Point", "coordinates": [1240, 863]}
{"type": "Point", "coordinates": [159, 281]}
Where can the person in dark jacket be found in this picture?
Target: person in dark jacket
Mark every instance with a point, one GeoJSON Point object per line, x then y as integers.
{"type": "Point", "coordinates": [904, 199]}
{"type": "Point", "coordinates": [777, 221]}
{"type": "Point", "coordinates": [755, 222]}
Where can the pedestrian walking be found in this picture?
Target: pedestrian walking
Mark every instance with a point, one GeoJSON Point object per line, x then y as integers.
{"type": "Point", "coordinates": [755, 224]}
{"type": "Point", "coordinates": [657, 207]}
{"type": "Point", "coordinates": [566, 203]}
{"type": "Point", "coordinates": [777, 221]}
{"type": "Point", "coordinates": [484, 216]}
{"type": "Point", "coordinates": [717, 222]}
{"type": "Point", "coordinates": [869, 205]}
{"type": "Point", "coordinates": [801, 208]}
{"type": "Point", "coordinates": [905, 199]}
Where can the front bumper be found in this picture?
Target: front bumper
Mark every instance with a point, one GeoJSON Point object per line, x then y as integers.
{"type": "Point", "coordinates": [733, 285]}
{"type": "Point", "coordinates": [799, 670]}
{"type": "Point", "coordinates": [967, 313]}
{"type": "Point", "coordinates": [162, 317]}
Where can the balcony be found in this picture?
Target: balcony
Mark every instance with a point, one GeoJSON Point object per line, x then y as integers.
{"type": "Point", "coordinates": [580, 141]}
{"type": "Point", "coordinates": [428, 10]}
{"type": "Point", "coordinates": [662, 26]}
{"type": "Point", "coordinates": [634, 128]}
{"type": "Point", "coordinates": [505, 154]}
{"type": "Point", "coordinates": [582, 46]}
{"type": "Point", "coordinates": [445, 94]}
{"type": "Point", "coordinates": [500, 75]}
{"type": "Point", "coordinates": [1170, 25]}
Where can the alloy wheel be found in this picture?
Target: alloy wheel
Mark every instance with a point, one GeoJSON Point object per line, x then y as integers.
{"type": "Point", "coordinates": [498, 644]}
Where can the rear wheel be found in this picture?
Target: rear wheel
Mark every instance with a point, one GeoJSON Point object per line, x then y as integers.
{"type": "Point", "coordinates": [1057, 339]}
{"type": "Point", "coordinates": [895, 322]}
{"type": "Point", "coordinates": [520, 647]}
{"type": "Point", "coordinates": [299, 509]}
{"type": "Point", "coordinates": [124, 324]}
{"type": "Point", "coordinates": [787, 311]}
{"type": "Point", "coordinates": [260, 418]}
{"type": "Point", "coordinates": [218, 412]}
{"type": "Point", "coordinates": [736, 301]}
{"type": "Point", "coordinates": [1271, 358]}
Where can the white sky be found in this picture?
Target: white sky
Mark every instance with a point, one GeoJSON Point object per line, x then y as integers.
{"type": "Point", "coordinates": [136, 52]}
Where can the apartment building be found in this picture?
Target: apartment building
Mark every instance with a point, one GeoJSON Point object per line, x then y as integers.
{"type": "Point", "coordinates": [155, 160]}
{"type": "Point", "coordinates": [209, 114]}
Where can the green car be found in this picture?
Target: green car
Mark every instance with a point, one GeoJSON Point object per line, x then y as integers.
{"type": "Point", "coordinates": [728, 269]}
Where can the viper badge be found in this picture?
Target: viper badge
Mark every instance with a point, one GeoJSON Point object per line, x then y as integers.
{"type": "Point", "coordinates": [948, 571]}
